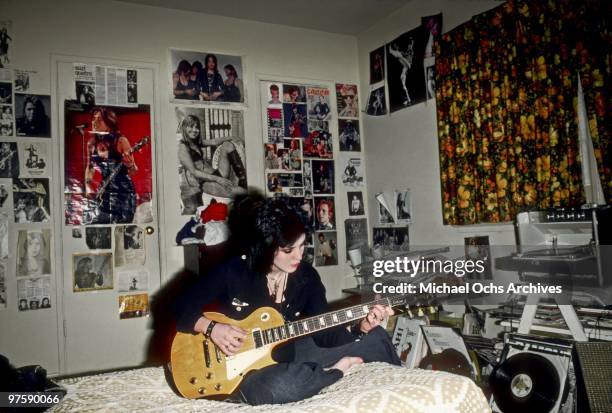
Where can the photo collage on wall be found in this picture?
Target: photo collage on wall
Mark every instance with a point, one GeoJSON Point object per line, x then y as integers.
{"type": "Point", "coordinates": [25, 182]}
{"type": "Point", "coordinates": [299, 159]}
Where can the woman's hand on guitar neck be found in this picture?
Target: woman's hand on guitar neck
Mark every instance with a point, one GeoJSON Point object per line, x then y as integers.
{"type": "Point", "coordinates": [375, 316]}
{"type": "Point", "coordinates": [228, 338]}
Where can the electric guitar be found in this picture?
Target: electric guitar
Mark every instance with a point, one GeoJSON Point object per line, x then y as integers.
{"type": "Point", "coordinates": [117, 168]}
{"type": "Point", "coordinates": [200, 369]}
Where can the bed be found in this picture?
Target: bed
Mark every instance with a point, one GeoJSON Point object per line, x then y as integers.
{"type": "Point", "coordinates": [373, 387]}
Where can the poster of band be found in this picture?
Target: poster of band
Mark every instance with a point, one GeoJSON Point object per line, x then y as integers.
{"type": "Point", "coordinates": [207, 77]}
{"type": "Point", "coordinates": [34, 293]}
{"type": "Point", "coordinates": [212, 157]}
{"type": "Point", "coordinates": [34, 158]}
{"type": "Point", "coordinates": [298, 158]}
{"type": "Point", "coordinates": [107, 164]}
{"type": "Point", "coordinates": [101, 85]}
{"type": "Point", "coordinates": [31, 200]}
{"type": "Point", "coordinates": [405, 70]}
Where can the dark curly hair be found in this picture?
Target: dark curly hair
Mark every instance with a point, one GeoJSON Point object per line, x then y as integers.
{"type": "Point", "coordinates": [260, 226]}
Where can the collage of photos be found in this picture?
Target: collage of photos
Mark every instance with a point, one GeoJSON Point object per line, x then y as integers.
{"type": "Point", "coordinates": [298, 159]}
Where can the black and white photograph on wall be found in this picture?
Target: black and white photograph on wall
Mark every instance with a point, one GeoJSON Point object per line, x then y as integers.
{"type": "Point", "coordinates": [285, 183]}
{"type": "Point", "coordinates": [326, 248]}
{"type": "Point", "coordinates": [272, 161]}
{"type": "Point", "coordinates": [384, 214]}
{"type": "Point", "coordinates": [403, 206]}
{"type": "Point", "coordinates": [129, 246]}
{"type": "Point", "coordinates": [34, 293]}
{"type": "Point", "coordinates": [377, 65]}
{"type": "Point", "coordinates": [77, 233]}
{"type": "Point", "coordinates": [430, 81]}
{"type": "Point", "coordinates": [377, 103]}
{"type": "Point", "coordinates": [318, 144]}
{"type": "Point", "coordinates": [325, 213]}
{"type": "Point", "coordinates": [307, 178]}
{"type": "Point", "coordinates": [6, 196]}
{"type": "Point", "coordinates": [352, 172]}
{"type": "Point", "coordinates": [433, 24]}
{"type": "Point", "coordinates": [294, 93]}
{"type": "Point", "coordinates": [478, 248]}
{"type": "Point", "coordinates": [85, 92]}
{"type": "Point", "coordinates": [3, 274]}
{"type": "Point", "coordinates": [7, 120]}
{"type": "Point", "coordinates": [295, 120]}
{"type": "Point", "coordinates": [132, 280]}
{"type": "Point", "coordinates": [349, 137]}
{"type": "Point", "coordinates": [355, 203]}
{"type": "Point", "coordinates": [132, 86]}
{"type": "Point", "coordinates": [273, 91]}
{"type": "Point", "coordinates": [211, 153]}
{"type": "Point", "coordinates": [405, 73]}
{"type": "Point", "coordinates": [33, 114]}
{"type": "Point", "coordinates": [315, 125]}
{"type": "Point", "coordinates": [308, 255]}
{"type": "Point", "coordinates": [347, 100]}
{"type": "Point", "coordinates": [4, 235]}
{"type": "Point", "coordinates": [318, 103]}
{"type": "Point", "coordinates": [34, 158]}
{"type": "Point", "coordinates": [6, 33]}
{"type": "Point", "coordinates": [22, 80]}
{"type": "Point", "coordinates": [133, 306]}
{"type": "Point", "coordinates": [92, 271]}
{"type": "Point", "coordinates": [275, 125]}
{"type": "Point", "coordinates": [303, 206]}
{"type": "Point", "coordinates": [392, 239]}
{"type": "Point", "coordinates": [207, 77]}
{"type": "Point", "coordinates": [6, 93]}
{"type": "Point", "coordinates": [9, 160]}
{"type": "Point", "coordinates": [356, 231]}
{"type": "Point", "coordinates": [31, 200]}
{"type": "Point", "coordinates": [98, 238]}
{"type": "Point", "coordinates": [33, 252]}
{"type": "Point", "coordinates": [323, 177]}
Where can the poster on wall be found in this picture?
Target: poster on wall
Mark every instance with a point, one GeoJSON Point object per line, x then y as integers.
{"type": "Point", "coordinates": [4, 236]}
{"type": "Point", "coordinates": [318, 142]}
{"type": "Point", "coordinates": [430, 80]}
{"type": "Point", "coordinates": [207, 77]}
{"type": "Point", "coordinates": [273, 90]}
{"type": "Point", "coordinates": [101, 185]}
{"type": "Point", "coordinates": [349, 137]}
{"type": "Point", "coordinates": [33, 252]}
{"type": "Point", "coordinates": [352, 170]}
{"type": "Point", "coordinates": [433, 25]}
{"type": "Point", "coordinates": [295, 121]}
{"type": "Point", "coordinates": [291, 184]}
{"type": "Point", "coordinates": [377, 103]}
{"type": "Point", "coordinates": [325, 213]}
{"type": "Point", "coordinates": [326, 248]}
{"type": "Point", "coordinates": [377, 65]}
{"type": "Point", "coordinates": [7, 120]}
{"type": "Point", "coordinates": [478, 248]}
{"type": "Point", "coordinates": [6, 92]}
{"type": "Point", "coordinates": [133, 306]}
{"type": "Point", "coordinates": [132, 280]}
{"type": "Point", "coordinates": [105, 85]}
{"type": "Point", "coordinates": [98, 238]}
{"type": "Point", "coordinates": [355, 203]}
{"type": "Point", "coordinates": [6, 196]}
{"type": "Point", "coordinates": [34, 293]}
{"type": "Point", "coordinates": [9, 160]}
{"type": "Point", "coordinates": [31, 200]}
{"type": "Point", "coordinates": [6, 38]}
{"type": "Point", "coordinates": [24, 79]}
{"type": "Point", "coordinates": [129, 246]}
{"type": "Point", "coordinates": [405, 73]}
{"type": "Point", "coordinates": [284, 157]}
{"type": "Point", "coordinates": [323, 177]}
{"type": "Point", "coordinates": [34, 158]}
{"type": "Point", "coordinates": [347, 100]}
{"type": "Point", "coordinates": [318, 103]}
{"type": "Point", "coordinates": [403, 206]}
{"type": "Point", "coordinates": [391, 239]}
{"type": "Point", "coordinates": [92, 271]}
{"type": "Point", "coordinates": [356, 231]}
{"type": "Point", "coordinates": [212, 157]}
{"type": "Point", "coordinates": [33, 115]}
{"type": "Point", "coordinates": [275, 125]}
{"type": "Point", "coordinates": [3, 273]}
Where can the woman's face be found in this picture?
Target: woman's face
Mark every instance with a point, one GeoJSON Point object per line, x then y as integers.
{"type": "Point", "coordinates": [98, 123]}
{"type": "Point", "coordinates": [210, 63]}
{"type": "Point", "coordinates": [33, 247]}
{"type": "Point", "coordinates": [288, 258]}
{"type": "Point", "coordinates": [29, 111]}
{"type": "Point", "coordinates": [228, 72]}
{"type": "Point", "coordinates": [192, 131]}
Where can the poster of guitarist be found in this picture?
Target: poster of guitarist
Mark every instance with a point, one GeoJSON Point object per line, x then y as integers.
{"type": "Point", "coordinates": [9, 160]}
{"type": "Point", "coordinates": [107, 165]}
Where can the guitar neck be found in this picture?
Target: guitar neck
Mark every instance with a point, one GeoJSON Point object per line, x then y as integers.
{"type": "Point", "coordinates": [318, 323]}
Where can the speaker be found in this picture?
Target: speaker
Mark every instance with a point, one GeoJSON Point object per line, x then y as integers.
{"type": "Point", "coordinates": [593, 367]}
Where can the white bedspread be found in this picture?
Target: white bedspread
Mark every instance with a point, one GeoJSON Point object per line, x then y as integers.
{"type": "Point", "coordinates": [373, 387]}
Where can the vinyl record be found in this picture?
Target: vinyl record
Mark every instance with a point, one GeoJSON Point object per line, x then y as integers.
{"type": "Point", "coordinates": [525, 382]}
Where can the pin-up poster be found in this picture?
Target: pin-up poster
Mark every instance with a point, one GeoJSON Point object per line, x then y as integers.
{"type": "Point", "coordinates": [318, 103]}
{"type": "Point", "coordinates": [107, 164]}
{"type": "Point", "coordinates": [347, 100]}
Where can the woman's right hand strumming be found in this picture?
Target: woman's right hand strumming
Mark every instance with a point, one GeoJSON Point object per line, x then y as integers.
{"type": "Point", "coordinates": [228, 338]}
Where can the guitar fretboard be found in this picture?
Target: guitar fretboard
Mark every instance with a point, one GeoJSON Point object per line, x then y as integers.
{"type": "Point", "coordinates": [313, 324]}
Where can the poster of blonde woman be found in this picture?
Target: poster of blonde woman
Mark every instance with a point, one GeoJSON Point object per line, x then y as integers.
{"type": "Point", "coordinates": [33, 252]}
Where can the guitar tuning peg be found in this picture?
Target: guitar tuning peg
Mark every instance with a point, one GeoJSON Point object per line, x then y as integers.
{"type": "Point", "coordinates": [410, 313]}
{"type": "Point", "coordinates": [420, 313]}
{"type": "Point", "coordinates": [432, 309]}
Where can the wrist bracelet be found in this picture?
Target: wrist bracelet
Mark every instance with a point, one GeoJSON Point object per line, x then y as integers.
{"type": "Point", "coordinates": [211, 325]}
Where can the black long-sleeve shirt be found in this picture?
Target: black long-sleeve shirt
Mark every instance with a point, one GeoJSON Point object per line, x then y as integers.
{"type": "Point", "coordinates": [232, 284]}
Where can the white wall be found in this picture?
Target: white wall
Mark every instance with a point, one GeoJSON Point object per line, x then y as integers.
{"type": "Point", "coordinates": [139, 33]}
{"type": "Point", "coordinates": [402, 148]}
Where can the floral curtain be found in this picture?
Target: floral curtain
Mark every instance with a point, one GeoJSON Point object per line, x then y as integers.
{"type": "Point", "coordinates": [507, 122]}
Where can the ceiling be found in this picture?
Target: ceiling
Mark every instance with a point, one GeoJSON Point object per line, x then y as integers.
{"type": "Point", "coordinates": [349, 17]}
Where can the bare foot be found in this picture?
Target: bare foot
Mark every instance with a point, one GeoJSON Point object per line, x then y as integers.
{"type": "Point", "coordinates": [346, 363]}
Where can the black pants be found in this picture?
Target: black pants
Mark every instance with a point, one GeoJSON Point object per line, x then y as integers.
{"type": "Point", "coordinates": [305, 376]}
